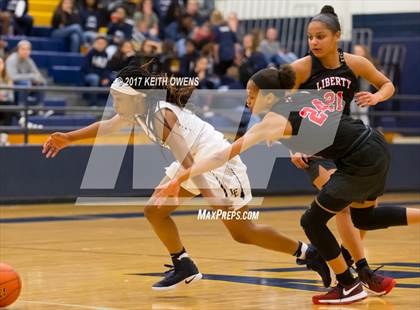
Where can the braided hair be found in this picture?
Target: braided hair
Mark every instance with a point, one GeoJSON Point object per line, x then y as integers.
{"type": "Point", "coordinates": [177, 95]}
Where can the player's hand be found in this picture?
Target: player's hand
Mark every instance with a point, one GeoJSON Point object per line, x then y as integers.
{"type": "Point", "coordinates": [163, 191]}
{"type": "Point", "coordinates": [55, 143]}
{"type": "Point", "coordinates": [299, 160]}
{"type": "Point", "coordinates": [365, 99]}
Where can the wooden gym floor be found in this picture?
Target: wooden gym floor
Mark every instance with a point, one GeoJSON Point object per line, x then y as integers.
{"type": "Point", "coordinates": [107, 257]}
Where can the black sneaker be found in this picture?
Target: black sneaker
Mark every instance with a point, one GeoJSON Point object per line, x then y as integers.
{"type": "Point", "coordinates": [183, 270]}
{"type": "Point", "coordinates": [315, 262]}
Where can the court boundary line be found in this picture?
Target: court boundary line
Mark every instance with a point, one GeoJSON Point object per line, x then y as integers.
{"type": "Point", "coordinates": [128, 215]}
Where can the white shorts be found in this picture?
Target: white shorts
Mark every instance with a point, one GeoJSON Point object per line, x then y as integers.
{"type": "Point", "coordinates": [229, 181]}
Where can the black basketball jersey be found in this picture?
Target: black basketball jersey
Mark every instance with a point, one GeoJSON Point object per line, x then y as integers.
{"type": "Point", "coordinates": [319, 126]}
{"type": "Point", "coordinates": [342, 81]}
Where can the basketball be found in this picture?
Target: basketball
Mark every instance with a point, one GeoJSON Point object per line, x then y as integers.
{"type": "Point", "coordinates": [10, 285]}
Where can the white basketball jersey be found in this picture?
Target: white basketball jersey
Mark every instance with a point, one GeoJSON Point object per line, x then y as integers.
{"type": "Point", "coordinates": [200, 136]}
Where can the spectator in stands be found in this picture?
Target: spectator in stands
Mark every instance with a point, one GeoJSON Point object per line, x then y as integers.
{"type": "Point", "coordinates": [23, 71]}
{"type": "Point", "coordinates": [189, 58]}
{"type": "Point", "coordinates": [146, 16]}
{"type": "Point", "coordinates": [5, 21]}
{"type": "Point", "coordinates": [18, 14]}
{"type": "Point", "coordinates": [95, 68]}
{"type": "Point", "coordinates": [95, 64]}
{"type": "Point", "coordinates": [192, 9]}
{"type": "Point", "coordinates": [273, 51]}
{"type": "Point", "coordinates": [225, 43]}
{"type": "Point", "coordinates": [233, 23]}
{"type": "Point", "coordinates": [180, 29]}
{"type": "Point", "coordinates": [168, 11]}
{"type": "Point", "coordinates": [169, 59]}
{"type": "Point", "coordinates": [124, 55]}
{"type": "Point", "coordinates": [118, 30]}
{"type": "Point", "coordinates": [252, 60]}
{"type": "Point", "coordinates": [6, 96]}
{"type": "Point", "coordinates": [202, 35]}
{"type": "Point", "coordinates": [205, 7]}
{"type": "Point", "coordinates": [66, 23]}
{"type": "Point", "coordinates": [207, 52]}
{"type": "Point", "coordinates": [231, 79]}
{"type": "Point", "coordinates": [201, 72]}
{"type": "Point", "coordinates": [90, 20]}
{"type": "Point", "coordinates": [109, 6]}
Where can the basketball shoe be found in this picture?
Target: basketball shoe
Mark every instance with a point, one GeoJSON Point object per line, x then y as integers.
{"type": "Point", "coordinates": [183, 271]}
{"type": "Point", "coordinates": [341, 295]}
{"type": "Point", "coordinates": [375, 283]}
{"type": "Point", "coordinates": [315, 262]}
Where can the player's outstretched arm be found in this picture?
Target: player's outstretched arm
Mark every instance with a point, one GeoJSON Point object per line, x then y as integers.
{"type": "Point", "coordinates": [59, 140]}
{"type": "Point", "coordinates": [272, 127]}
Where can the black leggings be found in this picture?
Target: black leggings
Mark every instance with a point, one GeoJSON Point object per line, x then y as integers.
{"type": "Point", "coordinates": [314, 222]}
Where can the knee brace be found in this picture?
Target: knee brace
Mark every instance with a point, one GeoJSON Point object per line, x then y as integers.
{"type": "Point", "coordinates": [314, 222]}
{"type": "Point", "coordinates": [378, 218]}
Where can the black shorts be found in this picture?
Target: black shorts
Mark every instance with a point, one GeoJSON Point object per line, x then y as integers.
{"type": "Point", "coordinates": [314, 165]}
{"type": "Point", "coordinates": [361, 175]}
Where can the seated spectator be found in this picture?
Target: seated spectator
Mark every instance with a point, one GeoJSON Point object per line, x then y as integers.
{"type": "Point", "coordinates": [231, 79]}
{"type": "Point", "coordinates": [118, 30]}
{"type": "Point", "coordinates": [180, 30]}
{"type": "Point", "coordinates": [148, 20]}
{"type": "Point", "coordinates": [121, 58]}
{"type": "Point", "coordinates": [233, 23]}
{"type": "Point", "coordinates": [90, 20]}
{"type": "Point", "coordinates": [202, 35]}
{"type": "Point", "coordinates": [207, 52]}
{"type": "Point", "coordinates": [205, 7]}
{"type": "Point", "coordinates": [201, 72]}
{"type": "Point", "coordinates": [252, 60]}
{"type": "Point", "coordinates": [168, 11]}
{"type": "Point", "coordinates": [95, 64]}
{"type": "Point", "coordinates": [66, 24]}
{"type": "Point", "coordinates": [23, 71]}
{"type": "Point", "coordinates": [6, 96]}
{"type": "Point", "coordinates": [18, 14]}
{"type": "Point", "coordinates": [169, 60]}
{"type": "Point", "coordinates": [273, 51]}
{"type": "Point", "coordinates": [5, 20]}
{"type": "Point", "coordinates": [225, 43]}
{"type": "Point", "coordinates": [192, 9]}
{"type": "Point", "coordinates": [95, 68]}
{"type": "Point", "coordinates": [189, 58]}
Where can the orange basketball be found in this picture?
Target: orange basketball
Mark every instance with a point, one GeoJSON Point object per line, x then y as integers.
{"type": "Point", "coordinates": [10, 285]}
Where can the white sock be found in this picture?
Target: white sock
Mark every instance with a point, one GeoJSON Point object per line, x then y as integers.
{"type": "Point", "coordinates": [303, 249]}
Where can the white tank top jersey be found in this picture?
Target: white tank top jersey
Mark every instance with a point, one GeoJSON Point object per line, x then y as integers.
{"type": "Point", "coordinates": [200, 136]}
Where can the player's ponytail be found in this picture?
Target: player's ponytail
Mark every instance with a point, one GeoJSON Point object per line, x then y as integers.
{"type": "Point", "coordinates": [329, 18]}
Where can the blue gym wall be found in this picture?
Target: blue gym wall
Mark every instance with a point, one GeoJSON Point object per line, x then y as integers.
{"type": "Point", "coordinates": [25, 175]}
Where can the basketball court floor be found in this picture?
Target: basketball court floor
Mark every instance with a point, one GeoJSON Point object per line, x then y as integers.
{"type": "Point", "coordinates": [107, 257]}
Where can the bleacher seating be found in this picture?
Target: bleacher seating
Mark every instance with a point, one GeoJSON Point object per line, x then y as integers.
{"type": "Point", "coordinates": [63, 120]}
{"type": "Point", "coordinates": [42, 11]}
{"type": "Point", "coordinates": [70, 75]}
{"type": "Point", "coordinates": [39, 43]}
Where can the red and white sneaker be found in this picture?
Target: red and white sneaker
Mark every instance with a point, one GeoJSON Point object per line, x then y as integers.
{"type": "Point", "coordinates": [375, 283]}
{"type": "Point", "coordinates": [342, 295]}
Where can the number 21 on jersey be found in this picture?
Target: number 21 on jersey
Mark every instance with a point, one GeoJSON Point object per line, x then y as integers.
{"type": "Point", "coordinates": [318, 114]}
